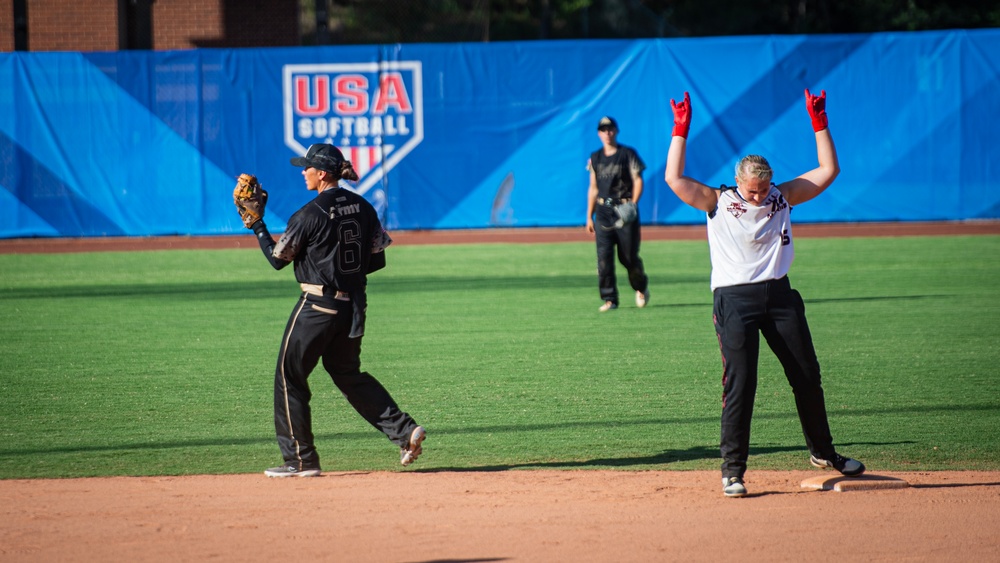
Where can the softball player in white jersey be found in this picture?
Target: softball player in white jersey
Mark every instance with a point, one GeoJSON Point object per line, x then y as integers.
{"type": "Point", "coordinates": [751, 245]}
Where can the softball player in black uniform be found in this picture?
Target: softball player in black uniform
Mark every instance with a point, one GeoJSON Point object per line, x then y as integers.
{"type": "Point", "coordinates": [335, 241]}
{"type": "Point", "coordinates": [615, 178]}
{"type": "Point", "coordinates": [751, 247]}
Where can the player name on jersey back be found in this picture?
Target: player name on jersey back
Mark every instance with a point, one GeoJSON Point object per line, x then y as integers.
{"type": "Point", "coordinates": [341, 210]}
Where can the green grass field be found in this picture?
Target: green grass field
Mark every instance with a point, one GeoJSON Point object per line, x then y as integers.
{"type": "Point", "coordinates": [161, 363]}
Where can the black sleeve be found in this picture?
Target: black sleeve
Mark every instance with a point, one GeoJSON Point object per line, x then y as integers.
{"type": "Point", "coordinates": [267, 245]}
{"type": "Point", "coordinates": [380, 241]}
{"type": "Point", "coordinates": [376, 262]}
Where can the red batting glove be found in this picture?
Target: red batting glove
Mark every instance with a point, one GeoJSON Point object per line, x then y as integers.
{"type": "Point", "coordinates": [817, 110]}
{"type": "Point", "coordinates": [682, 116]}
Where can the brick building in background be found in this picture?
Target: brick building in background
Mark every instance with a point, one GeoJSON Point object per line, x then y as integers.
{"type": "Point", "coordinates": [161, 25]}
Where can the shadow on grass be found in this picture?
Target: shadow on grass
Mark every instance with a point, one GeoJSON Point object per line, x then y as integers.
{"type": "Point", "coordinates": [665, 457]}
{"type": "Point", "coordinates": [236, 290]}
{"type": "Point", "coordinates": [425, 284]}
{"type": "Point", "coordinates": [282, 287]}
{"type": "Point", "coordinates": [878, 298]}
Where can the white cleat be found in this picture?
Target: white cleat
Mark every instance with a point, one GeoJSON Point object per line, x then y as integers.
{"type": "Point", "coordinates": [641, 298]}
{"type": "Point", "coordinates": [608, 306]}
{"type": "Point", "coordinates": [733, 487]}
{"type": "Point", "coordinates": [413, 450]}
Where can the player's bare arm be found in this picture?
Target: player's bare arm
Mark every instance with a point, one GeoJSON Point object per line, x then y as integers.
{"type": "Point", "coordinates": [591, 200]}
{"type": "Point", "coordinates": [689, 190]}
{"type": "Point", "coordinates": [636, 187]}
{"type": "Point", "coordinates": [815, 181]}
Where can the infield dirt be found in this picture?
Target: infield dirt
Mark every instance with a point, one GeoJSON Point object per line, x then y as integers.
{"type": "Point", "coordinates": [412, 516]}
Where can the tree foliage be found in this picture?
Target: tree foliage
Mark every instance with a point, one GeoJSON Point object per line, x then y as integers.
{"type": "Point", "coordinates": [423, 21]}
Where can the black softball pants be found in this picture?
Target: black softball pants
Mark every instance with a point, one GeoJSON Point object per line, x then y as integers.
{"type": "Point", "coordinates": [318, 328]}
{"type": "Point", "coordinates": [772, 308]}
{"type": "Point", "coordinates": [627, 240]}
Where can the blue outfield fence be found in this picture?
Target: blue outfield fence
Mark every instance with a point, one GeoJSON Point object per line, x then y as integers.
{"type": "Point", "coordinates": [494, 134]}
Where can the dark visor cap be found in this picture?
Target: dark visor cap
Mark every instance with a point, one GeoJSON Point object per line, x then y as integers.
{"type": "Point", "coordinates": [607, 122]}
{"type": "Point", "coordinates": [321, 157]}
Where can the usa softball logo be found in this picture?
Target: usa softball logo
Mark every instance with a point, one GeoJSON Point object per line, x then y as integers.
{"type": "Point", "coordinates": [373, 112]}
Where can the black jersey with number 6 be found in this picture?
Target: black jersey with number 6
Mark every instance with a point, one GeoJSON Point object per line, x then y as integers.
{"type": "Point", "coordinates": [330, 240]}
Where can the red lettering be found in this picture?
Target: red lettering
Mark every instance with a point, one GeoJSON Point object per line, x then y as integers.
{"type": "Point", "coordinates": [392, 93]}
{"type": "Point", "coordinates": [352, 94]}
{"type": "Point", "coordinates": [315, 101]}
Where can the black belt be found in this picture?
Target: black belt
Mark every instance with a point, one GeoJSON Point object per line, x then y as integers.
{"type": "Point", "coordinates": [612, 201]}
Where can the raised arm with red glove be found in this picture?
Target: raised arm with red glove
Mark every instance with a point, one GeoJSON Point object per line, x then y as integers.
{"type": "Point", "coordinates": [682, 116]}
{"type": "Point", "coordinates": [689, 190]}
{"type": "Point", "coordinates": [817, 110]}
{"type": "Point", "coordinates": [815, 181]}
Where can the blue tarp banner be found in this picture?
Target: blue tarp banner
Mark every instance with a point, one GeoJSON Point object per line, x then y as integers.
{"type": "Point", "coordinates": [481, 135]}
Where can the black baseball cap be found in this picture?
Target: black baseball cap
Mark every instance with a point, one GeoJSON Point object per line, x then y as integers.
{"type": "Point", "coordinates": [321, 157]}
{"type": "Point", "coordinates": [606, 122]}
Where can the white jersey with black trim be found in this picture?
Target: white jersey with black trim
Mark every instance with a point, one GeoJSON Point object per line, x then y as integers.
{"type": "Point", "coordinates": [749, 243]}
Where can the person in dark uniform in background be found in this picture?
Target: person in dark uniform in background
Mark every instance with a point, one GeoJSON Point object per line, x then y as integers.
{"type": "Point", "coordinates": [615, 178]}
{"type": "Point", "coordinates": [335, 241]}
{"type": "Point", "coordinates": [751, 248]}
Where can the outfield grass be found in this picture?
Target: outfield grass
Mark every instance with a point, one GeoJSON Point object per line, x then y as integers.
{"type": "Point", "coordinates": [162, 362]}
